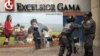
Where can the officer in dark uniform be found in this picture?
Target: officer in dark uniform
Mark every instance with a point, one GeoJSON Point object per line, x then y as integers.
{"type": "Point", "coordinates": [89, 27]}
{"type": "Point", "coordinates": [65, 37]}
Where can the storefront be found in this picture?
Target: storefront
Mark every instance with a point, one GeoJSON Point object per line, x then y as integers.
{"type": "Point", "coordinates": [60, 9]}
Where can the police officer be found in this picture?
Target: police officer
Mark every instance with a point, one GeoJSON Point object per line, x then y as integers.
{"type": "Point", "coordinates": [65, 37]}
{"type": "Point", "coordinates": [89, 27]}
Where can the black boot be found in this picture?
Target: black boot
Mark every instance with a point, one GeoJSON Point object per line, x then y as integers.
{"type": "Point", "coordinates": [5, 43]}
{"type": "Point", "coordinates": [60, 55]}
{"type": "Point", "coordinates": [75, 51]}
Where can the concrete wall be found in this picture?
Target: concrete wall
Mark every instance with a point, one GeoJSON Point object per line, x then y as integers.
{"type": "Point", "coordinates": [1, 5]}
{"type": "Point", "coordinates": [95, 8]}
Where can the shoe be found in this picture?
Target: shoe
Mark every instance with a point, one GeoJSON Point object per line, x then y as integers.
{"type": "Point", "coordinates": [5, 43]}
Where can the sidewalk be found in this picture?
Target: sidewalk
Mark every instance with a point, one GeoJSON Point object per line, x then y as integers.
{"type": "Point", "coordinates": [53, 51]}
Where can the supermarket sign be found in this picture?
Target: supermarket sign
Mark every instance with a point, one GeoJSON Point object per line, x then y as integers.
{"type": "Point", "coordinates": [20, 7]}
{"type": "Point", "coordinates": [47, 7]}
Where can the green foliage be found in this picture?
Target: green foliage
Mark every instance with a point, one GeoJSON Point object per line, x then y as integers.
{"type": "Point", "coordinates": [3, 38]}
{"type": "Point", "coordinates": [55, 33]}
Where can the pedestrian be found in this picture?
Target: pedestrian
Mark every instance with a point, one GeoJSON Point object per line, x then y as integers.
{"type": "Point", "coordinates": [1, 29]}
{"type": "Point", "coordinates": [40, 26]}
{"type": "Point", "coordinates": [7, 29]}
{"type": "Point", "coordinates": [65, 37]}
{"type": "Point", "coordinates": [47, 38]}
{"type": "Point", "coordinates": [21, 35]}
{"type": "Point", "coordinates": [16, 30]}
{"type": "Point", "coordinates": [89, 27]}
{"type": "Point", "coordinates": [35, 29]}
{"type": "Point", "coordinates": [37, 37]}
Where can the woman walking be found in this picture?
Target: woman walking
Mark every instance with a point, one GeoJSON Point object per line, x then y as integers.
{"type": "Point", "coordinates": [7, 29]}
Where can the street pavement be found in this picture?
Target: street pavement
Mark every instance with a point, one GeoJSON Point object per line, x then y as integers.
{"type": "Point", "coordinates": [26, 51]}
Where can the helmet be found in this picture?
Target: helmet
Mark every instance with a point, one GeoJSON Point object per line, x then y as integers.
{"type": "Point", "coordinates": [89, 14]}
{"type": "Point", "coordinates": [71, 19]}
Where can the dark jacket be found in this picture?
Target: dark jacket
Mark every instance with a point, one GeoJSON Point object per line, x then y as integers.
{"type": "Point", "coordinates": [89, 28]}
{"type": "Point", "coordinates": [68, 29]}
{"type": "Point", "coordinates": [36, 34]}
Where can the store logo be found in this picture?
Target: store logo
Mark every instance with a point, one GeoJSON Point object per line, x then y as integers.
{"type": "Point", "coordinates": [9, 5]}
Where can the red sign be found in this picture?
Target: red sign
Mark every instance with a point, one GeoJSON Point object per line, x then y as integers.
{"type": "Point", "coordinates": [9, 5]}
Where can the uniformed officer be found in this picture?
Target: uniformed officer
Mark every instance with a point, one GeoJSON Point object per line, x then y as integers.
{"type": "Point", "coordinates": [89, 27]}
{"type": "Point", "coordinates": [65, 37]}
